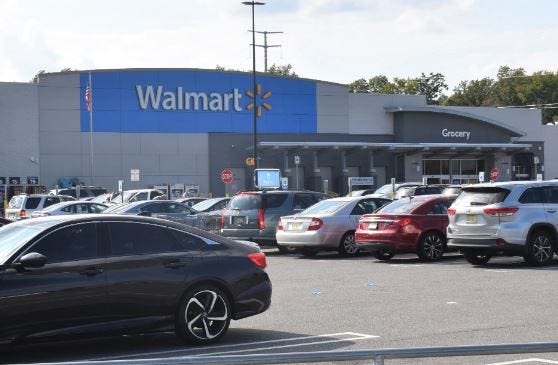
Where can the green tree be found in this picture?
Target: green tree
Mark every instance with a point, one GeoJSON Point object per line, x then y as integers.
{"type": "Point", "coordinates": [282, 70]}
{"type": "Point", "coordinates": [471, 93]}
{"type": "Point", "coordinates": [431, 85]}
{"type": "Point", "coordinates": [35, 78]}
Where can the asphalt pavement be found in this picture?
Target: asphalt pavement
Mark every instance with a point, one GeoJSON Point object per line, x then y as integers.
{"type": "Point", "coordinates": [329, 303]}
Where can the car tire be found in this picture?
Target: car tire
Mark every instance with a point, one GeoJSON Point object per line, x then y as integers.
{"type": "Point", "coordinates": [476, 257]}
{"type": "Point", "coordinates": [347, 246]}
{"type": "Point", "coordinates": [308, 252]}
{"type": "Point", "coordinates": [286, 249]}
{"type": "Point", "coordinates": [204, 315]}
{"type": "Point", "coordinates": [539, 249]}
{"type": "Point", "coordinates": [383, 255]}
{"type": "Point", "coordinates": [431, 246]}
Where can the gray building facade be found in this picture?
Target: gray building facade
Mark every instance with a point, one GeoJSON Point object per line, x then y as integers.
{"type": "Point", "coordinates": [185, 126]}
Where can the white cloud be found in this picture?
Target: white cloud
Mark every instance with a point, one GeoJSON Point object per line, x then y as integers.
{"type": "Point", "coordinates": [330, 40]}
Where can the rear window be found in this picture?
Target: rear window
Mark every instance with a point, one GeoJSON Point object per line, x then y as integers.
{"type": "Point", "coordinates": [32, 202]}
{"type": "Point", "coordinates": [403, 206]}
{"type": "Point", "coordinates": [325, 206]}
{"type": "Point", "coordinates": [16, 202]}
{"type": "Point", "coordinates": [481, 196]}
{"type": "Point", "coordinates": [246, 201]}
{"type": "Point", "coordinates": [451, 191]}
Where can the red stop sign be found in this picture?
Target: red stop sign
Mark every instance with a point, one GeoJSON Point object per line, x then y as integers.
{"type": "Point", "coordinates": [494, 174]}
{"type": "Point", "coordinates": [227, 176]}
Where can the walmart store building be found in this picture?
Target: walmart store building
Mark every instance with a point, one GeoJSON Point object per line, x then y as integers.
{"type": "Point", "coordinates": [187, 125]}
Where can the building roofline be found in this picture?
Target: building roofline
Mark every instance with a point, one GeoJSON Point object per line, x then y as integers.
{"type": "Point", "coordinates": [187, 69]}
{"type": "Point", "coordinates": [433, 109]}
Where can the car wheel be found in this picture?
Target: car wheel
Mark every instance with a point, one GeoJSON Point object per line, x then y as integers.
{"type": "Point", "coordinates": [347, 246]}
{"type": "Point", "coordinates": [286, 249]}
{"type": "Point", "coordinates": [476, 257]}
{"type": "Point", "coordinates": [383, 255]}
{"type": "Point", "coordinates": [308, 252]}
{"type": "Point", "coordinates": [539, 249]}
{"type": "Point", "coordinates": [431, 246]}
{"type": "Point", "coordinates": [204, 315]}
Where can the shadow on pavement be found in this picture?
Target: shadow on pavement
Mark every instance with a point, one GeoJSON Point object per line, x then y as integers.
{"type": "Point", "coordinates": [166, 344]}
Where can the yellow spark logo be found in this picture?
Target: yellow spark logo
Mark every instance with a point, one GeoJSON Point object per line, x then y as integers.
{"type": "Point", "coordinates": [266, 95]}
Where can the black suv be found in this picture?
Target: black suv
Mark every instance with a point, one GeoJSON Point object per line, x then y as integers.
{"type": "Point", "coordinates": [254, 215]}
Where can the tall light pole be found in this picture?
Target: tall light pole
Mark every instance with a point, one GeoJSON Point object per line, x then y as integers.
{"type": "Point", "coordinates": [255, 108]}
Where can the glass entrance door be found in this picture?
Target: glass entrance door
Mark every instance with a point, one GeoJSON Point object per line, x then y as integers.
{"type": "Point", "coordinates": [454, 171]}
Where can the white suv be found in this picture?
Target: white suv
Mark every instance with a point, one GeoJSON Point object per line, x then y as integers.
{"type": "Point", "coordinates": [21, 206]}
{"type": "Point", "coordinates": [511, 218]}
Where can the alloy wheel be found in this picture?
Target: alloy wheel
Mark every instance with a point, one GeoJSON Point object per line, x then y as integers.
{"type": "Point", "coordinates": [542, 249]}
{"type": "Point", "coordinates": [349, 245]}
{"type": "Point", "coordinates": [206, 315]}
{"type": "Point", "coordinates": [433, 246]}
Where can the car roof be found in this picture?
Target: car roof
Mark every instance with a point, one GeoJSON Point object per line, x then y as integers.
{"type": "Point", "coordinates": [514, 183]}
{"type": "Point", "coordinates": [58, 220]}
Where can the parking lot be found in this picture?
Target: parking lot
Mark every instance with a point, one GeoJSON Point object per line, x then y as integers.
{"type": "Point", "coordinates": [332, 303]}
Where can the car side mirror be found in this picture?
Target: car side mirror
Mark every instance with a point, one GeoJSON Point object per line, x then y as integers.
{"type": "Point", "coordinates": [145, 213]}
{"type": "Point", "coordinates": [33, 260]}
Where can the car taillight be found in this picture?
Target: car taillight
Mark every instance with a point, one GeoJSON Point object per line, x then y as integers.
{"type": "Point", "coordinates": [452, 211]}
{"type": "Point", "coordinates": [22, 213]}
{"type": "Point", "coordinates": [363, 225]}
{"type": "Point", "coordinates": [280, 226]}
{"type": "Point", "coordinates": [403, 222]}
{"type": "Point", "coordinates": [261, 218]}
{"type": "Point", "coordinates": [315, 224]}
{"type": "Point", "coordinates": [501, 211]}
{"type": "Point", "coordinates": [222, 220]}
{"type": "Point", "coordinates": [258, 259]}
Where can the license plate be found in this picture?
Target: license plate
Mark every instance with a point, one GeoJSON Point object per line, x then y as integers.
{"type": "Point", "coordinates": [238, 220]}
{"type": "Point", "coordinates": [295, 226]}
{"type": "Point", "coordinates": [470, 219]}
{"type": "Point", "coordinates": [372, 225]}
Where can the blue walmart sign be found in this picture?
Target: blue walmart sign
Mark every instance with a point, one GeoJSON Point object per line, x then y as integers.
{"type": "Point", "coordinates": [197, 102]}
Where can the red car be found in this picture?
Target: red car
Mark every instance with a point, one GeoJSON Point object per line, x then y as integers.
{"type": "Point", "coordinates": [409, 225]}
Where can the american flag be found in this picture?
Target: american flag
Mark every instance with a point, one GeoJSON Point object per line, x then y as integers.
{"type": "Point", "coordinates": [88, 98]}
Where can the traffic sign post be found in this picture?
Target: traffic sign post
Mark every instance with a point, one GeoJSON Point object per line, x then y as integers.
{"type": "Point", "coordinates": [494, 173]}
{"type": "Point", "coordinates": [227, 177]}
{"type": "Point", "coordinates": [297, 162]}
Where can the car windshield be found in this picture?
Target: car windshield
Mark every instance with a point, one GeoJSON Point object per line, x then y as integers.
{"type": "Point", "coordinates": [325, 206]}
{"type": "Point", "coordinates": [402, 206]}
{"type": "Point", "coordinates": [101, 198]}
{"type": "Point", "coordinates": [13, 236]}
{"type": "Point", "coordinates": [206, 204]}
{"type": "Point", "coordinates": [385, 189]}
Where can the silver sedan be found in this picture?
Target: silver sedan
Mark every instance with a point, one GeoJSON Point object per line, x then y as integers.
{"type": "Point", "coordinates": [327, 226]}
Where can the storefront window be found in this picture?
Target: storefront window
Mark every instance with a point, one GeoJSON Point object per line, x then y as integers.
{"type": "Point", "coordinates": [445, 167]}
{"type": "Point", "coordinates": [455, 167]}
{"type": "Point", "coordinates": [480, 166]}
{"type": "Point", "coordinates": [431, 167]}
{"type": "Point", "coordinates": [468, 167]}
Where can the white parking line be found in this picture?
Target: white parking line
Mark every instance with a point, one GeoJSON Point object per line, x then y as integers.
{"type": "Point", "coordinates": [354, 336]}
{"type": "Point", "coordinates": [543, 361]}
{"type": "Point", "coordinates": [358, 337]}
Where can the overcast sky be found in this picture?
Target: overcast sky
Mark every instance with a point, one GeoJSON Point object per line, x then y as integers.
{"type": "Point", "coordinates": [332, 40]}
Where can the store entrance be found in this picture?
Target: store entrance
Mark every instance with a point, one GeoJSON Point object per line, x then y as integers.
{"type": "Point", "coordinates": [452, 171]}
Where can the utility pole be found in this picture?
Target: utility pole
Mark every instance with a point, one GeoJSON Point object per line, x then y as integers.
{"type": "Point", "coordinates": [265, 46]}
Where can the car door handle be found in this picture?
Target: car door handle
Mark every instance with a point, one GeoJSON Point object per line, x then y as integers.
{"type": "Point", "coordinates": [91, 271]}
{"type": "Point", "coordinates": [551, 210]}
{"type": "Point", "coordinates": [175, 264]}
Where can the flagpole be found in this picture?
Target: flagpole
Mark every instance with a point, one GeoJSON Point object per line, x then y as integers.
{"type": "Point", "coordinates": [91, 123]}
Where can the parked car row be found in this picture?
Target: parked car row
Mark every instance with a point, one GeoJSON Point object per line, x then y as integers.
{"type": "Point", "coordinates": [483, 220]}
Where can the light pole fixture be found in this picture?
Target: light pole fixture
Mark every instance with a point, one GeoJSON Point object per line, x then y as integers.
{"type": "Point", "coordinates": [255, 108]}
